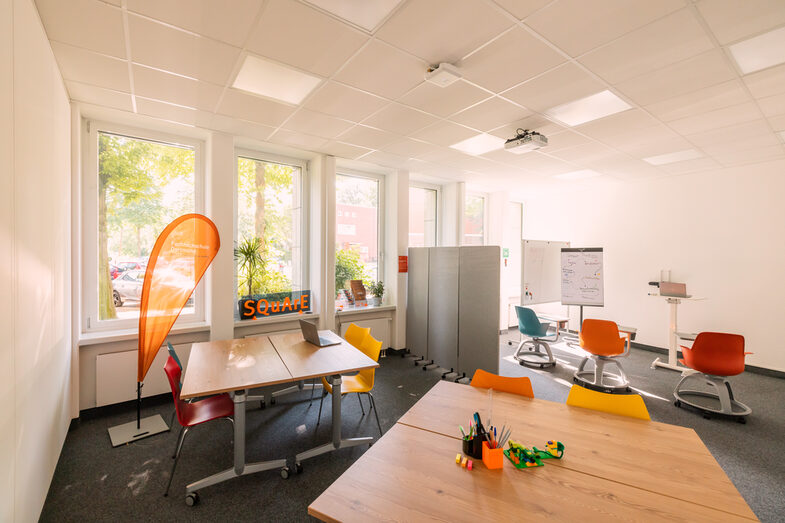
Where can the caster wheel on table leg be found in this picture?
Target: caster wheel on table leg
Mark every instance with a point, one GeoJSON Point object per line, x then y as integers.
{"type": "Point", "coordinates": [192, 499]}
{"type": "Point", "coordinates": [285, 472]}
{"type": "Point", "coordinates": [298, 468]}
{"type": "Point", "coordinates": [741, 420]}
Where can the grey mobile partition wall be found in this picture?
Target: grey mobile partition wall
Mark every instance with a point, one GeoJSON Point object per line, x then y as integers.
{"type": "Point", "coordinates": [417, 302]}
{"type": "Point", "coordinates": [452, 314]}
{"type": "Point", "coordinates": [478, 309]}
{"type": "Point", "coordinates": [443, 307]}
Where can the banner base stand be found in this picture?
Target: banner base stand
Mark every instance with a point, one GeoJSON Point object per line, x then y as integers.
{"type": "Point", "coordinates": [128, 433]}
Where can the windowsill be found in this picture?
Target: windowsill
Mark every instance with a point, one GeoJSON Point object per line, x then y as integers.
{"type": "Point", "coordinates": [362, 310]}
{"type": "Point", "coordinates": [96, 338]}
{"type": "Point", "coordinates": [281, 318]}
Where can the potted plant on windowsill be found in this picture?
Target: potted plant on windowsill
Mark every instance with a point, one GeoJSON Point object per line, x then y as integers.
{"type": "Point", "coordinates": [248, 254]}
{"type": "Point", "coordinates": [376, 288]}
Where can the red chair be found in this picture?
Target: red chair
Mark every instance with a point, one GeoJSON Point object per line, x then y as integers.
{"type": "Point", "coordinates": [715, 355]}
{"type": "Point", "coordinates": [601, 339]}
{"type": "Point", "coordinates": [192, 414]}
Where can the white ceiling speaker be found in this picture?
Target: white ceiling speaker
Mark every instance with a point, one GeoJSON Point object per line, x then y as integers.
{"type": "Point", "coordinates": [443, 74]}
{"type": "Point", "coordinates": [525, 141]}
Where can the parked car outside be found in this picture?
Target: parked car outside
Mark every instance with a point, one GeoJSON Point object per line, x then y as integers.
{"type": "Point", "coordinates": [114, 271]}
{"type": "Point", "coordinates": [128, 286]}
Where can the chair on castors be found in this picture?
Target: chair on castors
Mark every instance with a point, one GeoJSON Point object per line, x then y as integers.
{"type": "Point", "coordinates": [360, 383]}
{"type": "Point", "coordinates": [601, 339]}
{"type": "Point", "coordinates": [487, 380]}
{"type": "Point", "coordinates": [715, 355]}
{"type": "Point", "coordinates": [192, 414]}
{"type": "Point", "coordinates": [631, 405]}
{"type": "Point", "coordinates": [529, 325]}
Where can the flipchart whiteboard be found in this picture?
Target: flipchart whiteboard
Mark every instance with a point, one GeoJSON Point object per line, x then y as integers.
{"type": "Point", "coordinates": [540, 271]}
{"type": "Point", "coordinates": [581, 277]}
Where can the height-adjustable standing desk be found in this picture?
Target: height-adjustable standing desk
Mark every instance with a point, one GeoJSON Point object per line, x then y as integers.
{"type": "Point", "coordinates": [674, 334]}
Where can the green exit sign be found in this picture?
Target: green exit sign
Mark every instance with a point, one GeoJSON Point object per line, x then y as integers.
{"type": "Point", "coordinates": [505, 253]}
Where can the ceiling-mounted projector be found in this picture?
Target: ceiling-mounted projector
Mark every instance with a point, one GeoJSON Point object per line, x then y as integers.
{"type": "Point", "coordinates": [525, 141]}
{"type": "Point", "coordinates": [443, 74]}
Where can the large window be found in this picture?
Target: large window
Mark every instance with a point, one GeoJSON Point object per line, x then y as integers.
{"type": "Point", "coordinates": [422, 217]}
{"type": "Point", "coordinates": [358, 228]}
{"type": "Point", "coordinates": [269, 252]}
{"type": "Point", "coordinates": [474, 220]}
{"type": "Point", "coordinates": [139, 184]}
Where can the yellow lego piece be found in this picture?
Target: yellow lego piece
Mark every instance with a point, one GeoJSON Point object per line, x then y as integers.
{"type": "Point", "coordinates": [457, 458]}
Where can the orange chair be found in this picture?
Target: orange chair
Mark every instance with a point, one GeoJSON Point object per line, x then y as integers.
{"type": "Point", "coordinates": [715, 355]}
{"type": "Point", "coordinates": [486, 380]}
{"type": "Point", "coordinates": [601, 339]}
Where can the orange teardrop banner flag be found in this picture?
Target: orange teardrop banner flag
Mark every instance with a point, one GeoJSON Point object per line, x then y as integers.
{"type": "Point", "coordinates": [179, 259]}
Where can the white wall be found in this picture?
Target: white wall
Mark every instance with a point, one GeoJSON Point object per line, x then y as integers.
{"type": "Point", "coordinates": [35, 353]}
{"type": "Point", "coordinates": [720, 232]}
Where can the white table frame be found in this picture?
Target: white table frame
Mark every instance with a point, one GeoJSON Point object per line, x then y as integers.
{"type": "Point", "coordinates": [673, 336]}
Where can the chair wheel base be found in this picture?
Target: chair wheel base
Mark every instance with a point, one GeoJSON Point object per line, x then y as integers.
{"type": "Point", "coordinates": [677, 404]}
{"type": "Point", "coordinates": [298, 468]}
{"type": "Point", "coordinates": [285, 472]}
{"type": "Point", "coordinates": [192, 498]}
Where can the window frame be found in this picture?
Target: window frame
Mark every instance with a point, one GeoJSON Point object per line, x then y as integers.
{"type": "Point", "coordinates": [263, 156]}
{"type": "Point", "coordinates": [381, 220]}
{"type": "Point", "coordinates": [484, 197]}
{"type": "Point", "coordinates": [89, 320]}
{"type": "Point", "coordinates": [437, 215]}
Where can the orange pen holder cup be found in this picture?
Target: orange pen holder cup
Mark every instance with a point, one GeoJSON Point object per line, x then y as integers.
{"type": "Point", "coordinates": [493, 458]}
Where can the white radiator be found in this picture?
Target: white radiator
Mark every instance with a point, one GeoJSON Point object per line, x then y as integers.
{"type": "Point", "coordinates": [115, 375]}
{"type": "Point", "coordinates": [380, 328]}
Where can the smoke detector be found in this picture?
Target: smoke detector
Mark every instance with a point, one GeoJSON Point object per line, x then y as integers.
{"type": "Point", "coordinates": [443, 74]}
{"type": "Point", "coordinates": [525, 141]}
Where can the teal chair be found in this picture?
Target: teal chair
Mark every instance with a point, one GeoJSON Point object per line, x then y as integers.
{"type": "Point", "coordinates": [528, 351]}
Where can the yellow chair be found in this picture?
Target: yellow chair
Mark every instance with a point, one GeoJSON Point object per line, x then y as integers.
{"type": "Point", "coordinates": [631, 405]}
{"type": "Point", "coordinates": [360, 383]}
{"type": "Point", "coordinates": [356, 334]}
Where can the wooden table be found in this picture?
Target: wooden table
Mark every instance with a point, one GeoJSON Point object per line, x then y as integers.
{"type": "Point", "coordinates": [238, 365]}
{"type": "Point", "coordinates": [613, 468]}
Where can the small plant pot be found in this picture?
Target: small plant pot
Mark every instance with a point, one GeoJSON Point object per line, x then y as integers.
{"type": "Point", "coordinates": [493, 458]}
{"type": "Point", "coordinates": [376, 301]}
{"type": "Point", "coordinates": [473, 447]}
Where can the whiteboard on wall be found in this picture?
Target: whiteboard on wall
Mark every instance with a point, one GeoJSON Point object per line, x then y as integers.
{"type": "Point", "coordinates": [581, 277]}
{"type": "Point", "coordinates": [541, 271]}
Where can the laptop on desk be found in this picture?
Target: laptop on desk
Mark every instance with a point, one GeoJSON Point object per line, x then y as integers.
{"type": "Point", "coordinates": [674, 290]}
{"type": "Point", "coordinates": [311, 335]}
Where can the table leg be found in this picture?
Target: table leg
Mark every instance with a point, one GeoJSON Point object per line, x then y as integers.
{"type": "Point", "coordinates": [673, 357]}
{"type": "Point", "coordinates": [240, 468]}
{"type": "Point", "coordinates": [337, 442]}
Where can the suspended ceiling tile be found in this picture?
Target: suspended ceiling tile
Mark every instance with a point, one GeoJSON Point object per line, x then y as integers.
{"type": "Point", "coordinates": [168, 112]}
{"type": "Point", "coordinates": [437, 31]}
{"type": "Point", "coordinates": [170, 49]}
{"type": "Point", "coordinates": [731, 20]}
{"type": "Point", "coordinates": [344, 102]}
{"type": "Point", "coordinates": [617, 124]}
{"type": "Point", "coordinates": [444, 133]}
{"type": "Point", "coordinates": [564, 84]}
{"type": "Point", "coordinates": [743, 136]}
{"type": "Point", "coordinates": [534, 122]}
{"type": "Point", "coordinates": [240, 127]}
{"type": "Point", "coordinates": [731, 156]}
{"type": "Point", "coordinates": [582, 153]}
{"type": "Point", "coordinates": [577, 26]}
{"type": "Point", "coordinates": [369, 16]}
{"type": "Point", "coordinates": [99, 96]}
{"type": "Point", "coordinates": [383, 70]}
{"type": "Point", "coordinates": [565, 139]}
{"type": "Point", "coordinates": [512, 58]}
{"type": "Point", "coordinates": [701, 101]}
{"type": "Point", "coordinates": [537, 163]}
{"type": "Point", "coordinates": [400, 119]}
{"type": "Point", "coordinates": [171, 88]}
{"type": "Point", "coordinates": [86, 67]}
{"type": "Point", "coordinates": [444, 101]}
{"type": "Point", "coordinates": [228, 20]}
{"type": "Point", "coordinates": [699, 72]}
{"type": "Point", "coordinates": [666, 41]}
{"type": "Point", "coordinates": [368, 137]}
{"type": "Point", "coordinates": [298, 35]}
{"type": "Point", "coordinates": [409, 148]}
{"type": "Point", "coordinates": [733, 115]}
{"type": "Point", "coordinates": [522, 8]}
{"type": "Point", "coordinates": [386, 159]}
{"type": "Point", "coordinates": [690, 166]}
{"type": "Point", "coordinates": [253, 108]}
{"type": "Point", "coordinates": [317, 124]}
{"type": "Point", "coordinates": [304, 141]}
{"type": "Point", "coordinates": [345, 150]}
{"type": "Point", "coordinates": [89, 24]}
{"type": "Point", "coordinates": [490, 114]}
{"type": "Point", "coordinates": [767, 82]}
{"type": "Point", "coordinates": [650, 141]}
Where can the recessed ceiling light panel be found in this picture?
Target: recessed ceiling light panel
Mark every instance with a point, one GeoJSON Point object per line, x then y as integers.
{"type": "Point", "coordinates": [593, 107]}
{"type": "Point", "coordinates": [273, 80]}
{"type": "Point", "coordinates": [578, 175]}
{"type": "Point", "coordinates": [367, 14]}
{"type": "Point", "coordinates": [760, 52]}
{"type": "Point", "coordinates": [480, 144]}
{"type": "Point", "coordinates": [679, 156]}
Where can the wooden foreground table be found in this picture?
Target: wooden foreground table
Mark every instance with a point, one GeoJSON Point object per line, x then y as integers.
{"type": "Point", "coordinates": [613, 468]}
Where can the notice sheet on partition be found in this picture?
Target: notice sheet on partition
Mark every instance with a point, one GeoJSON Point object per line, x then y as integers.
{"type": "Point", "coordinates": [581, 277]}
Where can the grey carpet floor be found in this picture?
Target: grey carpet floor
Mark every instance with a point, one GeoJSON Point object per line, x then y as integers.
{"type": "Point", "coordinates": [94, 482]}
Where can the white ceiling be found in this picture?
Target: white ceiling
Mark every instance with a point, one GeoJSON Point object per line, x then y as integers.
{"type": "Point", "coordinates": [176, 60]}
